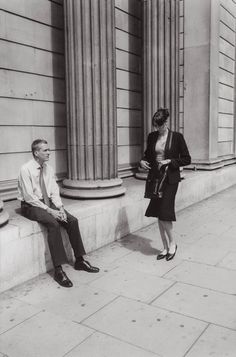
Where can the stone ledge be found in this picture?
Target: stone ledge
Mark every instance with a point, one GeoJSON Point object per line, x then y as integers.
{"type": "Point", "coordinates": [23, 245]}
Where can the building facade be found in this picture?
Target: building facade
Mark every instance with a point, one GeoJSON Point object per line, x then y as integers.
{"type": "Point", "coordinates": [87, 75]}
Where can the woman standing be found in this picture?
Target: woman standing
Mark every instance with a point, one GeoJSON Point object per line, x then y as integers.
{"type": "Point", "coordinates": [166, 152]}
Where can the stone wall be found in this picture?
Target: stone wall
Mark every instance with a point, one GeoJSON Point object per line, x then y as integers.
{"type": "Point", "coordinates": [32, 91]}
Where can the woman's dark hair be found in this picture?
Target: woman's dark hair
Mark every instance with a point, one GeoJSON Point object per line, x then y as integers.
{"type": "Point", "coordinates": [160, 117]}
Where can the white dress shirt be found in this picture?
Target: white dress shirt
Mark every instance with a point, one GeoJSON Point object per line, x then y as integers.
{"type": "Point", "coordinates": [29, 187]}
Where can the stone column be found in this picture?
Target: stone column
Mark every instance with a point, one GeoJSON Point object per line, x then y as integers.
{"type": "Point", "coordinates": [160, 62]}
{"type": "Point", "coordinates": [4, 217]}
{"type": "Point", "coordinates": [201, 77]}
{"type": "Point", "coordinates": [91, 109]}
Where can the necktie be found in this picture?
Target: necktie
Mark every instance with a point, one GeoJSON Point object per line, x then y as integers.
{"type": "Point", "coordinates": [43, 188]}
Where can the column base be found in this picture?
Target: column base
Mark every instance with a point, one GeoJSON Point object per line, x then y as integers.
{"type": "Point", "coordinates": [210, 165]}
{"type": "Point", "coordinates": [87, 189]}
{"type": "Point", "coordinates": [4, 216]}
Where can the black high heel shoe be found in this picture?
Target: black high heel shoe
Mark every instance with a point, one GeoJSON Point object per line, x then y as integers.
{"type": "Point", "coordinates": [161, 256]}
{"type": "Point", "coordinates": [170, 256]}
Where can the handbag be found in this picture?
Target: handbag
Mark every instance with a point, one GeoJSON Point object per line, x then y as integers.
{"type": "Point", "coordinates": [156, 180]}
{"type": "Point", "coordinates": [155, 185]}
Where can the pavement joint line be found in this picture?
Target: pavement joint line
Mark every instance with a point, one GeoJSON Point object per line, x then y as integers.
{"type": "Point", "coordinates": [102, 307]}
{"type": "Point", "coordinates": [121, 340]}
{"type": "Point", "coordinates": [28, 318]}
{"type": "Point", "coordinates": [193, 317]}
{"type": "Point", "coordinates": [130, 269]}
{"type": "Point", "coordinates": [86, 338]}
{"type": "Point", "coordinates": [203, 263]}
{"type": "Point", "coordinates": [167, 272]}
{"type": "Point", "coordinates": [163, 292]}
{"type": "Point", "coordinates": [225, 327]}
{"type": "Point", "coordinates": [203, 287]}
{"type": "Point", "coordinates": [196, 340]}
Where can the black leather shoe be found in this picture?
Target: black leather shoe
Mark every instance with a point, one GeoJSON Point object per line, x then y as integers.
{"type": "Point", "coordinates": [62, 279]}
{"type": "Point", "coordinates": [161, 256]}
{"type": "Point", "coordinates": [86, 266]}
{"type": "Point", "coordinates": [171, 256]}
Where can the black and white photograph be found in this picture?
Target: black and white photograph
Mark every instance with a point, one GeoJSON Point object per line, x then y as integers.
{"type": "Point", "coordinates": [117, 178]}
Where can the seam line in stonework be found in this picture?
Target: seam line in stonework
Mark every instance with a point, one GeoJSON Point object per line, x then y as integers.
{"type": "Point", "coordinates": [33, 20]}
{"type": "Point", "coordinates": [33, 47]}
{"type": "Point", "coordinates": [32, 73]}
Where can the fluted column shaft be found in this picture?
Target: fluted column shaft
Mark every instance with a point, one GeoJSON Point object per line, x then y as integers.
{"type": "Point", "coordinates": [91, 110]}
{"type": "Point", "coordinates": [161, 59]}
{"type": "Point", "coordinates": [160, 62]}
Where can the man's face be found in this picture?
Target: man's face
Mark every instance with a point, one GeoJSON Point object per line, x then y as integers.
{"type": "Point", "coordinates": [42, 153]}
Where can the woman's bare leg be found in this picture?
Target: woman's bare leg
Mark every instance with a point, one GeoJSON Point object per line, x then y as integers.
{"type": "Point", "coordinates": [168, 229]}
{"type": "Point", "coordinates": [163, 236]}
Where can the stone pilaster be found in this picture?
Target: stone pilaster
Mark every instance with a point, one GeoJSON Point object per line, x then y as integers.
{"type": "Point", "coordinates": [91, 114]}
{"type": "Point", "coordinates": [201, 74]}
{"type": "Point", "coordinates": [160, 62]}
{"type": "Point", "coordinates": [4, 217]}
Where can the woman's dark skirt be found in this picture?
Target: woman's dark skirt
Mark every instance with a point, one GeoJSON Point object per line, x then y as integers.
{"type": "Point", "coordinates": [164, 208]}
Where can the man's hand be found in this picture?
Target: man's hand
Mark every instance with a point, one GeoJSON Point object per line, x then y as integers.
{"type": "Point", "coordinates": [145, 165]}
{"type": "Point", "coordinates": [63, 214]}
{"type": "Point", "coordinates": [59, 215]}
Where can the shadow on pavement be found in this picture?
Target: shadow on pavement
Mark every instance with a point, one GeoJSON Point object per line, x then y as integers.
{"type": "Point", "coordinates": [136, 243]}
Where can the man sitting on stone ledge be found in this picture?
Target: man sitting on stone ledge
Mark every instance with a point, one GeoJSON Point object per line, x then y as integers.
{"type": "Point", "coordinates": [41, 202]}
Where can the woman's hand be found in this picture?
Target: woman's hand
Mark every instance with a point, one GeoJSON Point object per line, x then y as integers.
{"type": "Point", "coordinates": [163, 162]}
{"type": "Point", "coordinates": [145, 165]}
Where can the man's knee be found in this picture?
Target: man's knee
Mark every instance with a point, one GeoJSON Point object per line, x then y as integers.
{"type": "Point", "coordinates": [72, 219]}
{"type": "Point", "coordinates": [53, 224]}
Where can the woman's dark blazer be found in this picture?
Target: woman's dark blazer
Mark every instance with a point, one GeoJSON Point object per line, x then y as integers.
{"type": "Point", "coordinates": [178, 154]}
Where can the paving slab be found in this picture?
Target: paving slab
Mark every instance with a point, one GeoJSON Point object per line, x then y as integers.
{"type": "Point", "coordinates": [74, 304]}
{"type": "Point", "coordinates": [147, 327]}
{"type": "Point", "coordinates": [229, 261]}
{"type": "Point", "coordinates": [44, 334]}
{"type": "Point", "coordinates": [13, 312]}
{"type": "Point", "coordinates": [227, 239]}
{"type": "Point", "coordinates": [205, 276]}
{"type": "Point", "coordinates": [147, 264]}
{"type": "Point", "coordinates": [192, 234]}
{"type": "Point", "coordinates": [131, 283]}
{"type": "Point", "coordinates": [215, 341]}
{"type": "Point", "coordinates": [206, 250]}
{"type": "Point", "coordinates": [102, 345]}
{"type": "Point", "coordinates": [203, 304]}
{"type": "Point", "coordinates": [107, 255]}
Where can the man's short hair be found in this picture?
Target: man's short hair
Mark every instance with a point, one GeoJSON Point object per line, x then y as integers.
{"type": "Point", "coordinates": [35, 144]}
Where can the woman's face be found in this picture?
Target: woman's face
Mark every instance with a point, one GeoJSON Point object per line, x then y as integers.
{"type": "Point", "coordinates": [161, 129]}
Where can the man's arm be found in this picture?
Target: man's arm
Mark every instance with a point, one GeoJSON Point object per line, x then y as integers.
{"type": "Point", "coordinates": [56, 199]}
{"type": "Point", "coordinates": [26, 189]}
{"type": "Point", "coordinates": [55, 193]}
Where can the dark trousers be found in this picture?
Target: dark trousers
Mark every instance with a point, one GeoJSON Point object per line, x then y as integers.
{"type": "Point", "coordinates": [55, 243]}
